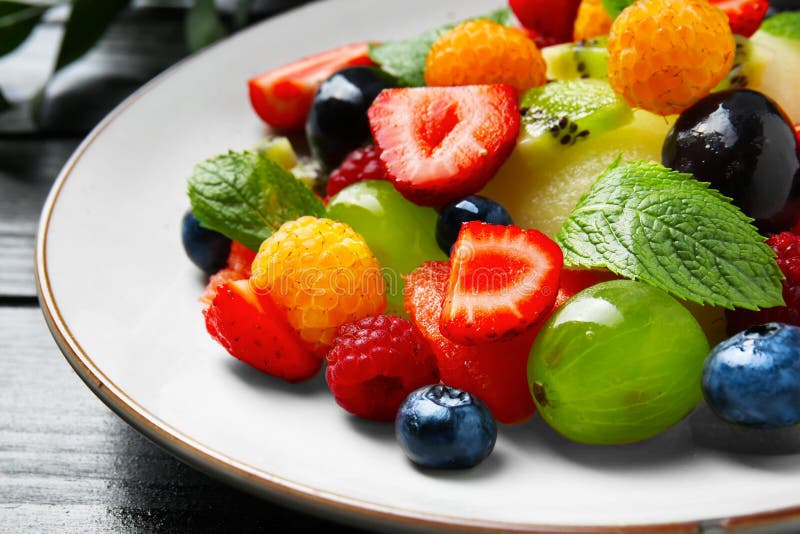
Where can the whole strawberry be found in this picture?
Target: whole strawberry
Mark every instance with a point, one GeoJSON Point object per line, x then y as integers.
{"type": "Point", "coordinates": [375, 363]}
{"type": "Point", "coordinates": [552, 18]}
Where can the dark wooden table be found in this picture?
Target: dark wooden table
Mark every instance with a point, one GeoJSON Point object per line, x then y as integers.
{"type": "Point", "coordinates": [67, 463]}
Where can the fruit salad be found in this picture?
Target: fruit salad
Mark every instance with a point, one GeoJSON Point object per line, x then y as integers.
{"type": "Point", "coordinates": [582, 208]}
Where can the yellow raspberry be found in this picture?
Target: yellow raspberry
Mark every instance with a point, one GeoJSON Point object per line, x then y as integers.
{"type": "Point", "coordinates": [592, 21]}
{"type": "Point", "coordinates": [665, 55]}
{"type": "Point", "coordinates": [322, 274]}
{"type": "Point", "coordinates": [483, 52]}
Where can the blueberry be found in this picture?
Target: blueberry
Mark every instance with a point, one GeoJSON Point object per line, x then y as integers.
{"type": "Point", "coordinates": [471, 208]}
{"type": "Point", "coordinates": [206, 248]}
{"type": "Point", "coordinates": [337, 123]}
{"type": "Point", "coordinates": [744, 145]}
{"type": "Point", "coordinates": [753, 378]}
{"type": "Point", "coordinates": [445, 428]}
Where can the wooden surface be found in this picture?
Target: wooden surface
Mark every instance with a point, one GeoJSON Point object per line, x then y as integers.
{"type": "Point", "coordinates": [67, 463]}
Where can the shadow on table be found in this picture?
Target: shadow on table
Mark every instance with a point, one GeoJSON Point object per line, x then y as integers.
{"type": "Point", "coordinates": [154, 492]}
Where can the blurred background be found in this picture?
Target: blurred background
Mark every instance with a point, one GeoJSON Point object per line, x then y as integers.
{"type": "Point", "coordinates": [62, 68]}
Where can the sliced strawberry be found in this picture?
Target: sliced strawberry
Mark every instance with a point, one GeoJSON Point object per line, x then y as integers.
{"type": "Point", "coordinates": [283, 96]}
{"type": "Point", "coordinates": [495, 372]}
{"type": "Point", "coordinates": [254, 330]}
{"type": "Point", "coordinates": [744, 16]}
{"type": "Point", "coordinates": [548, 18]}
{"type": "Point", "coordinates": [442, 143]}
{"type": "Point", "coordinates": [240, 258]}
{"type": "Point", "coordinates": [503, 281]}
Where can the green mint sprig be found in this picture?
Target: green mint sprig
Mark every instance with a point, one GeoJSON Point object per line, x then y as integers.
{"type": "Point", "coordinates": [786, 24]}
{"type": "Point", "coordinates": [246, 196]}
{"type": "Point", "coordinates": [405, 60]}
{"type": "Point", "coordinates": [643, 221]}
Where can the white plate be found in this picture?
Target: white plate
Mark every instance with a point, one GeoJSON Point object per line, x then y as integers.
{"type": "Point", "coordinates": [121, 300]}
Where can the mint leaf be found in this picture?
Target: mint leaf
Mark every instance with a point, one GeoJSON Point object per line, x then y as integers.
{"type": "Point", "coordinates": [644, 221]}
{"type": "Point", "coordinates": [88, 21]}
{"type": "Point", "coordinates": [615, 7]}
{"type": "Point", "coordinates": [203, 25]}
{"type": "Point", "coordinates": [405, 60]}
{"type": "Point", "coordinates": [786, 24]}
{"type": "Point", "coordinates": [246, 196]}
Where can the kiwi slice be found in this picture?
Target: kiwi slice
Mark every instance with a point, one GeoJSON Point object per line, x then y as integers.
{"type": "Point", "coordinates": [559, 114]}
{"type": "Point", "coordinates": [748, 66]}
{"type": "Point", "coordinates": [581, 59]}
{"type": "Point", "coordinates": [779, 77]}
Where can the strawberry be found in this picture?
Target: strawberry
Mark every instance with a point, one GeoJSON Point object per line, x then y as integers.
{"type": "Point", "coordinates": [744, 16]}
{"type": "Point", "coordinates": [548, 18]}
{"type": "Point", "coordinates": [442, 143]}
{"type": "Point", "coordinates": [495, 372]}
{"type": "Point", "coordinates": [503, 281]}
{"type": "Point", "coordinates": [254, 330]}
{"type": "Point", "coordinates": [283, 96]}
{"type": "Point", "coordinates": [240, 259]}
{"type": "Point", "coordinates": [541, 41]}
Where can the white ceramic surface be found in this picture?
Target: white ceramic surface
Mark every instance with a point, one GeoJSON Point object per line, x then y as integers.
{"type": "Point", "coordinates": [121, 300]}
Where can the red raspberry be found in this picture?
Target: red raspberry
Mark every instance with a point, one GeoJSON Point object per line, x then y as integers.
{"type": "Point", "coordinates": [375, 363]}
{"type": "Point", "coordinates": [787, 247]}
{"type": "Point", "coordinates": [360, 165]}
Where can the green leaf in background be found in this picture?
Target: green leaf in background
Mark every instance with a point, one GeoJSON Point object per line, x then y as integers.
{"type": "Point", "coordinates": [786, 24]}
{"type": "Point", "coordinates": [615, 7]}
{"type": "Point", "coordinates": [246, 196]}
{"type": "Point", "coordinates": [17, 21]}
{"type": "Point", "coordinates": [87, 23]}
{"type": "Point", "coordinates": [4, 104]}
{"type": "Point", "coordinates": [405, 60]}
{"type": "Point", "coordinates": [242, 14]}
{"type": "Point", "coordinates": [643, 221]}
{"type": "Point", "coordinates": [203, 25]}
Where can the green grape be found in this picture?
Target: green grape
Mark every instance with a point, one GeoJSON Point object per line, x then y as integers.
{"type": "Point", "coordinates": [399, 233]}
{"type": "Point", "coordinates": [618, 363]}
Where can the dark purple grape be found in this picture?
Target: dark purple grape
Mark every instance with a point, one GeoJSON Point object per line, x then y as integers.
{"type": "Point", "coordinates": [744, 145]}
{"type": "Point", "coordinates": [337, 123]}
